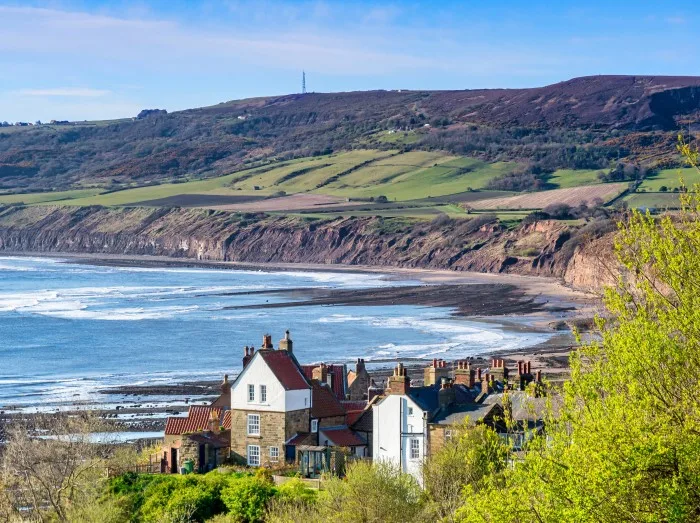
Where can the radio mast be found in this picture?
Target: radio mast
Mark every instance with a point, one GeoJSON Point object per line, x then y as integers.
{"type": "Point", "coordinates": [303, 82]}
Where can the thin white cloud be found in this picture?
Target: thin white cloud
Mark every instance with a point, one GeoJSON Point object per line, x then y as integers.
{"type": "Point", "coordinates": [81, 92]}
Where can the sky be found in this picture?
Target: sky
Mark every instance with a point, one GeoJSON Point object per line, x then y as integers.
{"type": "Point", "coordinates": [88, 60]}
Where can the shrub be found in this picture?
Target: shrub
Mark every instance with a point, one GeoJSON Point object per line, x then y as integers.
{"type": "Point", "coordinates": [246, 498]}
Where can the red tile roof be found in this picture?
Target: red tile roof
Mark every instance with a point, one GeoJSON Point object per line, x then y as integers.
{"type": "Point", "coordinates": [353, 416]}
{"type": "Point", "coordinates": [323, 403]}
{"type": "Point", "coordinates": [337, 382]}
{"type": "Point", "coordinates": [285, 368]}
{"type": "Point", "coordinates": [226, 424]}
{"type": "Point", "coordinates": [197, 420]}
{"type": "Point", "coordinates": [341, 437]}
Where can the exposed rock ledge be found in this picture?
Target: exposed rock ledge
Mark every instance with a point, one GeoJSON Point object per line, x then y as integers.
{"type": "Point", "coordinates": [545, 248]}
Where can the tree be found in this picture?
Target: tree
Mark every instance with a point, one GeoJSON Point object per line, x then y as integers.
{"type": "Point", "coordinates": [46, 476]}
{"type": "Point", "coordinates": [465, 461]}
{"type": "Point", "coordinates": [626, 447]}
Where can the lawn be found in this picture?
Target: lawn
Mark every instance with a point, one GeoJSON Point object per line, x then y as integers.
{"type": "Point", "coordinates": [671, 178]}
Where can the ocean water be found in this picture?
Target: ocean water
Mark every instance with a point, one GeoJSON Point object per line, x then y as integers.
{"type": "Point", "coordinates": [68, 330]}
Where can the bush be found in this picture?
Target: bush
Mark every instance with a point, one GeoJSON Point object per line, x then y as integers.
{"type": "Point", "coordinates": [372, 492]}
{"type": "Point", "coordinates": [246, 498]}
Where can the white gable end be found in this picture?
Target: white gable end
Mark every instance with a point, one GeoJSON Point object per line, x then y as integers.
{"type": "Point", "coordinates": [258, 374]}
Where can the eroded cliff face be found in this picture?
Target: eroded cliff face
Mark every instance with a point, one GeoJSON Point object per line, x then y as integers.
{"type": "Point", "coordinates": [542, 248]}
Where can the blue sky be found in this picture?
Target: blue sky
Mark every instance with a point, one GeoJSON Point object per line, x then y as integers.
{"type": "Point", "coordinates": [90, 59]}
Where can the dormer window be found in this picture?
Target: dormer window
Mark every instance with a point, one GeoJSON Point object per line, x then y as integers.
{"type": "Point", "coordinates": [251, 393]}
{"type": "Point", "coordinates": [314, 425]}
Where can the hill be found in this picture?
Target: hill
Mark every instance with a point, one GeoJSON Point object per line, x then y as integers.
{"type": "Point", "coordinates": [581, 124]}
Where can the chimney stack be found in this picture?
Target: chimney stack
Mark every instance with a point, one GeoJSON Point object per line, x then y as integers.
{"type": "Point", "coordinates": [226, 385]}
{"type": "Point", "coordinates": [434, 372]}
{"type": "Point", "coordinates": [214, 425]}
{"type": "Point", "coordinates": [359, 366]}
{"type": "Point", "coordinates": [320, 373]}
{"type": "Point", "coordinates": [249, 351]}
{"type": "Point", "coordinates": [464, 374]}
{"type": "Point", "coordinates": [485, 384]}
{"type": "Point", "coordinates": [373, 390]}
{"type": "Point", "coordinates": [447, 394]}
{"type": "Point", "coordinates": [399, 382]}
{"type": "Point", "coordinates": [267, 342]}
{"type": "Point", "coordinates": [286, 342]}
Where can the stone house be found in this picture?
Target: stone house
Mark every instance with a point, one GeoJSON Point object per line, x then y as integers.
{"type": "Point", "coordinates": [204, 437]}
{"type": "Point", "coordinates": [270, 403]}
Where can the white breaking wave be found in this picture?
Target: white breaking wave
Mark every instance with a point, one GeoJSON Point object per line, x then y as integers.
{"type": "Point", "coordinates": [453, 338]}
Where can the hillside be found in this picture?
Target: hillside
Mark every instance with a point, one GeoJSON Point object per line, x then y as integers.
{"type": "Point", "coordinates": [580, 124]}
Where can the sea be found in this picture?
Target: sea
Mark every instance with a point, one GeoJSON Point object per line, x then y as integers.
{"type": "Point", "coordinates": [69, 330]}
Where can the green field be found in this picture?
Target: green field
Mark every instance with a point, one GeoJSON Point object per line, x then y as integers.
{"type": "Point", "coordinates": [671, 178]}
{"type": "Point", "coordinates": [45, 197]}
{"type": "Point", "coordinates": [357, 174]}
{"type": "Point", "coordinates": [653, 200]}
{"type": "Point", "coordinates": [566, 178]}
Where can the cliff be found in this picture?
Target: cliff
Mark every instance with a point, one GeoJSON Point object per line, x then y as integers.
{"type": "Point", "coordinates": [545, 248]}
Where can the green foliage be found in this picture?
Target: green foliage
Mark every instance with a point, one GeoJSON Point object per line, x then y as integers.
{"type": "Point", "coordinates": [372, 492]}
{"type": "Point", "coordinates": [246, 498]}
{"type": "Point", "coordinates": [468, 460]}
{"type": "Point", "coordinates": [626, 446]}
{"type": "Point", "coordinates": [295, 490]}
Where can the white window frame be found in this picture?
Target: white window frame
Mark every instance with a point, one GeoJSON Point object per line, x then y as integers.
{"type": "Point", "coordinates": [414, 448]}
{"type": "Point", "coordinates": [251, 393]}
{"type": "Point", "coordinates": [255, 419]}
{"type": "Point", "coordinates": [274, 454]}
{"type": "Point", "coordinates": [253, 455]}
{"type": "Point", "coordinates": [263, 393]}
{"type": "Point", "coordinates": [448, 434]}
{"type": "Point", "coordinates": [314, 425]}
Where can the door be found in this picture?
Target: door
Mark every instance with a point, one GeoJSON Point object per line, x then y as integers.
{"type": "Point", "coordinates": [202, 458]}
{"type": "Point", "coordinates": [173, 461]}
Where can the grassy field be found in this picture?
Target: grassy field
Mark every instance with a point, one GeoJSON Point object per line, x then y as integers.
{"type": "Point", "coordinates": [427, 181]}
{"type": "Point", "coordinates": [566, 178]}
{"type": "Point", "coordinates": [45, 197]}
{"type": "Point", "coordinates": [671, 178]}
{"type": "Point", "coordinates": [653, 200]}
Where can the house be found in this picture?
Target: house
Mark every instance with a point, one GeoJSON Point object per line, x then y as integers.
{"type": "Point", "coordinates": [270, 403]}
{"type": "Point", "coordinates": [202, 437]}
{"type": "Point", "coordinates": [410, 423]}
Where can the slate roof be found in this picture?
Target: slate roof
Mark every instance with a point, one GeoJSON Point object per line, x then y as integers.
{"type": "Point", "coordinates": [197, 420]}
{"type": "Point", "coordinates": [324, 404]}
{"type": "Point", "coordinates": [455, 414]}
{"type": "Point", "coordinates": [364, 422]}
{"type": "Point", "coordinates": [342, 437]}
{"type": "Point", "coordinates": [285, 368]}
{"type": "Point", "coordinates": [219, 441]}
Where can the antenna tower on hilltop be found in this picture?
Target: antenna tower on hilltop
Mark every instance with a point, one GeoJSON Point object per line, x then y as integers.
{"type": "Point", "coordinates": [303, 82]}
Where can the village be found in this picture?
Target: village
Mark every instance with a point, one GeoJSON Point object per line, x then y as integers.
{"type": "Point", "coordinates": [315, 419]}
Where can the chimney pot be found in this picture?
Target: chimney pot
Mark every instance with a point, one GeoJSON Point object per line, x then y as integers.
{"type": "Point", "coordinates": [529, 367]}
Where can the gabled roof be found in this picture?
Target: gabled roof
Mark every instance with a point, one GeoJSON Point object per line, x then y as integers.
{"type": "Point", "coordinates": [324, 404]}
{"type": "Point", "coordinates": [285, 368]}
{"type": "Point", "coordinates": [342, 437]}
{"type": "Point", "coordinates": [338, 381]}
{"type": "Point", "coordinates": [197, 420]}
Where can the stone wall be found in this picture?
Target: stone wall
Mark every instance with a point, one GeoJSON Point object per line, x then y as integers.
{"type": "Point", "coordinates": [332, 421]}
{"type": "Point", "coordinates": [275, 429]}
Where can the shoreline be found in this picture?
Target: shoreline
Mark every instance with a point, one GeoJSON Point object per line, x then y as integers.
{"type": "Point", "coordinates": [513, 302]}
